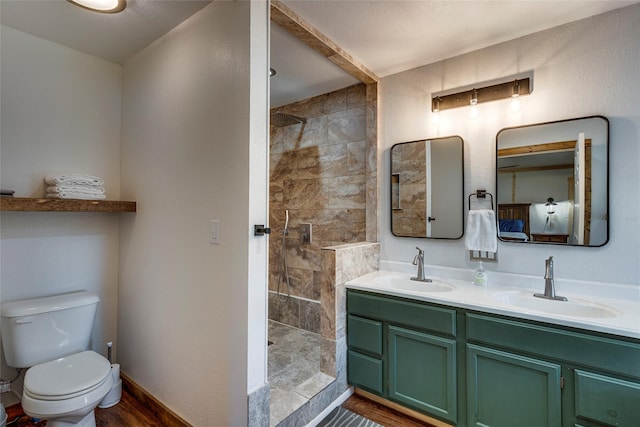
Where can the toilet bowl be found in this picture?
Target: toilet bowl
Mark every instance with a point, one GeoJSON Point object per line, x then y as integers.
{"type": "Point", "coordinates": [65, 391]}
{"type": "Point", "coordinates": [50, 336]}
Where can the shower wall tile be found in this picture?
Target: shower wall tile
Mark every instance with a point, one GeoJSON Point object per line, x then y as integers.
{"type": "Point", "coordinates": [318, 172]}
{"type": "Point", "coordinates": [310, 316]}
{"type": "Point", "coordinates": [373, 156]}
{"type": "Point", "coordinates": [284, 309]}
{"type": "Point", "coordinates": [356, 96]}
{"type": "Point", "coordinates": [372, 214]}
{"type": "Point", "coordinates": [356, 158]}
{"type": "Point", "coordinates": [347, 126]}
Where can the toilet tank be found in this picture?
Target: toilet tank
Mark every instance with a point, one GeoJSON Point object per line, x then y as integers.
{"type": "Point", "coordinates": [42, 329]}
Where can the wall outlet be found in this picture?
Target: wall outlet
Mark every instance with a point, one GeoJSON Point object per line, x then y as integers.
{"type": "Point", "coordinates": [305, 234]}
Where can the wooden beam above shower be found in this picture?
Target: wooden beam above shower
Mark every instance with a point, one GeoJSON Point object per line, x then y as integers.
{"type": "Point", "coordinates": [309, 35]}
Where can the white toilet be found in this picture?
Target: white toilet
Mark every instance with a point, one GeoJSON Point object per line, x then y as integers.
{"type": "Point", "coordinates": [50, 336]}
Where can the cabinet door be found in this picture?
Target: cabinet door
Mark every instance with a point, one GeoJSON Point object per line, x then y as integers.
{"type": "Point", "coordinates": [506, 390]}
{"type": "Point", "coordinates": [606, 400]}
{"type": "Point", "coordinates": [422, 372]}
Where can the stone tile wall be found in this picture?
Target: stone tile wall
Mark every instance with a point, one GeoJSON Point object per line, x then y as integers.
{"type": "Point", "coordinates": [322, 173]}
{"type": "Point", "coordinates": [341, 264]}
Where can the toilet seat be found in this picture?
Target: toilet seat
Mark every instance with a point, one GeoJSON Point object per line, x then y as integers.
{"type": "Point", "coordinates": [67, 377]}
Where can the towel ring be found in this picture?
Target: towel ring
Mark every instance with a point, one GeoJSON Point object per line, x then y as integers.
{"type": "Point", "coordinates": [481, 194]}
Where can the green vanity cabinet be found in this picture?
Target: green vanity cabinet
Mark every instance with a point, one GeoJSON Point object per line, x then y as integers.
{"type": "Point", "coordinates": [403, 351]}
{"type": "Point", "coordinates": [599, 384]}
{"type": "Point", "coordinates": [503, 387]}
{"type": "Point", "coordinates": [422, 371]}
{"type": "Point", "coordinates": [472, 369]}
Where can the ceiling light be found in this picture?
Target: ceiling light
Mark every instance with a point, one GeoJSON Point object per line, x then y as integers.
{"type": "Point", "coordinates": [103, 6]}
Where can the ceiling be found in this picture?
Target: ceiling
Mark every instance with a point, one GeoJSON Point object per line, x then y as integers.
{"type": "Point", "coordinates": [387, 36]}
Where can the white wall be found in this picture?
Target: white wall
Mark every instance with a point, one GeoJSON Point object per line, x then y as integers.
{"type": "Point", "coordinates": [584, 68]}
{"type": "Point", "coordinates": [183, 317]}
{"type": "Point", "coordinates": [60, 113]}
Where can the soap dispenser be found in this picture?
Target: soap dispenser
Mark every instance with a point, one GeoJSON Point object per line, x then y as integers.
{"type": "Point", "coordinates": [480, 277]}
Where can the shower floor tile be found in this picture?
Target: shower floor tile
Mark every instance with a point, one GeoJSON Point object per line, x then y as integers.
{"type": "Point", "coordinates": [293, 369]}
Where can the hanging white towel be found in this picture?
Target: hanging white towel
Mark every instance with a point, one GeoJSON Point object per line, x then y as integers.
{"type": "Point", "coordinates": [481, 232]}
{"type": "Point", "coordinates": [73, 179]}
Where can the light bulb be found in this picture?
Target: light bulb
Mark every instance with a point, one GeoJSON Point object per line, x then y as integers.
{"type": "Point", "coordinates": [515, 103]}
{"type": "Point", "coordinates": [435, 118]}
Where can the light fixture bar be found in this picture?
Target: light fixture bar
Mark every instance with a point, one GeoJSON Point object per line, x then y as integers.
{"type": "Point", "coordinates": [483, 94]}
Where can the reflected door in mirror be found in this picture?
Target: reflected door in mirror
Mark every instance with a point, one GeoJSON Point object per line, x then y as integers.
{"type": "Point", "coordinates": [427, 179]}
{"type": "Point", "coordinates": [559, 171]}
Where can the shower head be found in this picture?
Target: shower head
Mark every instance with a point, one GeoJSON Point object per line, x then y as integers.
{"type": "Point", "coordinates": [280, 119]}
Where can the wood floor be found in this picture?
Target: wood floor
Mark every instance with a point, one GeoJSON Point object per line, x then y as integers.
{"type": "Point", "coordinates": [126, 413]}
{"type": "Point", "coordinates": [129, 413]}
{"type": "Point", "coordinates": [380, 413]}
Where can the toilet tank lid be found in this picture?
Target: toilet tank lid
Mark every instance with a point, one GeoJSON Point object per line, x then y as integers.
{"type": "Point", "coordinates": [28, 307]}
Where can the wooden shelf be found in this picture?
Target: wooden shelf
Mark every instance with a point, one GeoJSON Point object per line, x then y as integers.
{"type": "Point", "coordinates": [25, 204]}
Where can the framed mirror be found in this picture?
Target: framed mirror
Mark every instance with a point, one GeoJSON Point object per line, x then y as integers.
{"type": "Point", "coordinates": [427, 196]}
{"type": "Point", "coordinates": [553, 182]}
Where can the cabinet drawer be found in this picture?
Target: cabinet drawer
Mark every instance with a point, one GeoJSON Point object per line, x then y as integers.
{"type": "Point", "coordinates": [402, 312]}
{"type": "Point", "coordinates": [364, 372]}
{"type": "Point", "coordinates": [615, 356]}
{"type": "Point", "coordinates": [607, 400]}
{"type": "Point", "coordinates": [364, 335]}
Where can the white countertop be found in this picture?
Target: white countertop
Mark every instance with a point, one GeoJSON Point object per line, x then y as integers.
{"type": "Point", "coordinates": [622, 300]}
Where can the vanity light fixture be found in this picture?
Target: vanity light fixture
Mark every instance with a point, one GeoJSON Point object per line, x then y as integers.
{"type": "Point", "coordinates": [473, 97]}
{"type": "Point", "coordinates": [102, 6]}
{"type": "Point", "coordinates": [515, 96]}
{"type": "Point", "coordinates": [435, 108]}
{"type": "Point", "coordinates": [474, 104]}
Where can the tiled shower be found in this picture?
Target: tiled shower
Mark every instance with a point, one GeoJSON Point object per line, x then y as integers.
{"type": "Point", "coordinates": [318, 174]}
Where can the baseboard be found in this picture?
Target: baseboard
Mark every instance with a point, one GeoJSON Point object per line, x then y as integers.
{"type": "Point", "coordinates": [401, 409]}
{"type": "Point", "coordinates": [165, 415]}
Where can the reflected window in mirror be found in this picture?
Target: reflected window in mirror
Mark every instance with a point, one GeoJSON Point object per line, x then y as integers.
{"type": "Point", "coordinates": [552, 182]}
{"type": "Point", "coordinates": [427, 197]}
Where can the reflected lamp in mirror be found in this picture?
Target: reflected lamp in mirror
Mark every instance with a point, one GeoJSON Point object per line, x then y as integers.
{"type": "Point", "coordinates": [553, 178]}
{"type": "Point", "coordinates": [427, 197]}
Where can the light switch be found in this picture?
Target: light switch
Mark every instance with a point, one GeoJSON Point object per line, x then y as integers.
{"type": "Point", "coordinates": [214, 232]}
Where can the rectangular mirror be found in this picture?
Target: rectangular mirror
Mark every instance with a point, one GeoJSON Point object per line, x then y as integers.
{"type": "Point", "coordinates": [427, 196]}
{"type": "Point", "coordinates": [552, 182]}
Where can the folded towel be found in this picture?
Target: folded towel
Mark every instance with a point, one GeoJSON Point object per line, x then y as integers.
{"type": "Point", "coordinates": [76, 195]}
{"type": "Point", "coordinates": [73, 179]}
{"type": "Point", "coordinates": [481, 232]}
{"type": "Point", "coordinates": [89, 189]}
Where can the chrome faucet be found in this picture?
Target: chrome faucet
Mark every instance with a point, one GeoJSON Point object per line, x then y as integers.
{"type": "Point", "coordinates": [549, 286]}
{"type": "Point", "coordinates": [419, 261]}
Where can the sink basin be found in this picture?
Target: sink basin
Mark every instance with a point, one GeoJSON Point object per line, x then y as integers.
{"type": "Point", "coordinates": [403, 283]}
{"type": "Point", "coordinates": [574, 307]}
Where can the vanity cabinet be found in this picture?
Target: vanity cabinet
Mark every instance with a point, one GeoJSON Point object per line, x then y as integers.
{"type": "Point", "coordinates": [468, 368]}
{"type": "Point", "coordinates": [592, 380]}
{"type": "Point", "coordinates": [503, 387]}
{"type": "Point", "coordinates": [403, 351]}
